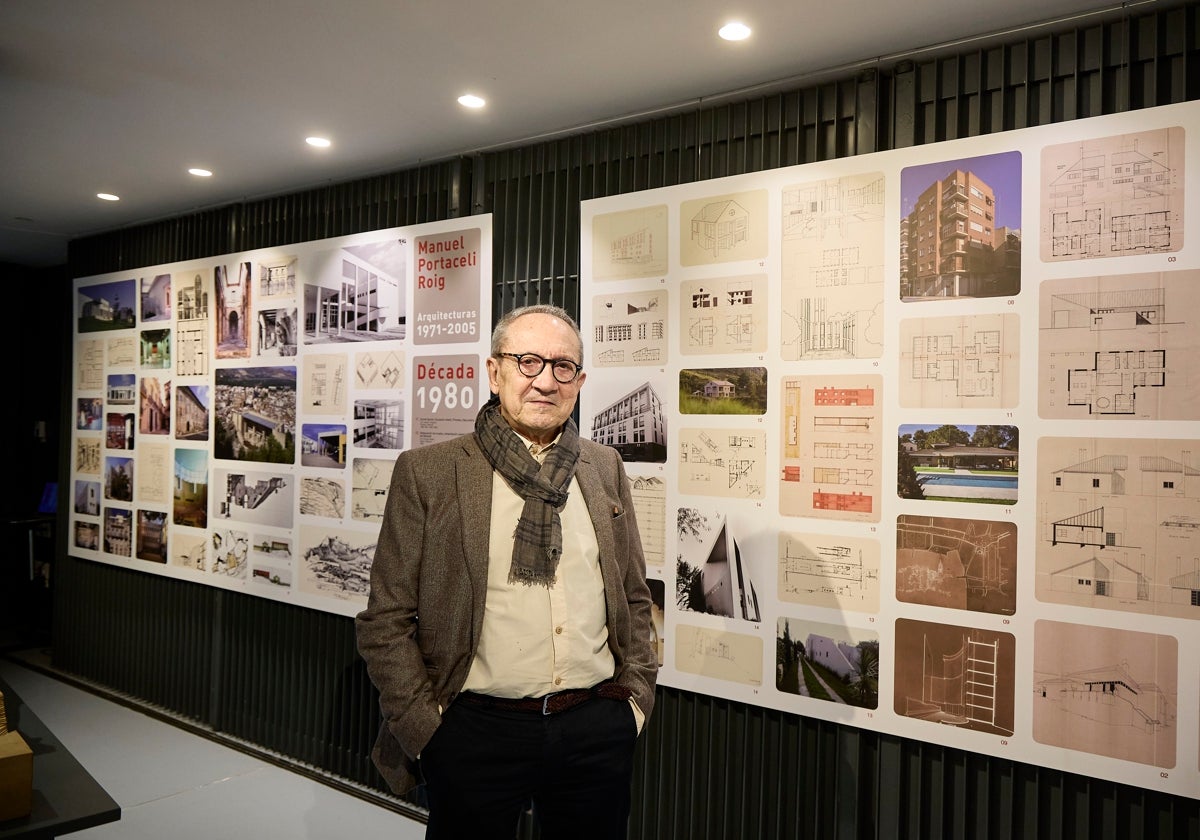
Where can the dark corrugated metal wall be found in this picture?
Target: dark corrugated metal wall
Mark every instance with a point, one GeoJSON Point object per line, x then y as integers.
{"type": "Point", "coordinates": [287, 681]}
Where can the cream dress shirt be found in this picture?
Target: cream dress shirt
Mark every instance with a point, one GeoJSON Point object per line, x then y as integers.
{"type": "Point", "coordinates": [538, 640]}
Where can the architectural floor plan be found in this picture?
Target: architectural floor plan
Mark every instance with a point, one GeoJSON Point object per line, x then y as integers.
{"type": "Point", "coordinates": [1120, 347]}
{"type": "Point", "coordinates": [1113, 196]}
{"type": "Point", "coordinates": [967, 362]}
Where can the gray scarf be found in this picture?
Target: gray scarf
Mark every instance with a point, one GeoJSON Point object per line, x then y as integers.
{"type": "Point", "coordinates": [537, 542]}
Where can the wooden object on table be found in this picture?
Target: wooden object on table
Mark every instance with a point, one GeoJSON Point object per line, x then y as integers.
{"type": "Point", "coordinates": [16, 772]}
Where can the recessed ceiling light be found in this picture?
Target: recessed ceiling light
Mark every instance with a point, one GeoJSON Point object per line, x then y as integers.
{"type": "Point", "coordinates": [734, 31]}
{"type": "Point", "coordinates": [319, 142]}
{"type": "Point", "coordinates": [470, 100]}
{"type": "Point", "coordinates": [199, 173]}
{"type": "Point", "coordinates": [108, 196]}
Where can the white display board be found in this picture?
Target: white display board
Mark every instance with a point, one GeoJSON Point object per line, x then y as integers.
{"type": "Point", "coordinates": [237, 417]}
{"type": "Point", "coordinates": [914, 437]}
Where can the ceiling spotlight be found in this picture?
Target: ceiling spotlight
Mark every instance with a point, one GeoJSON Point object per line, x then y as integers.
{"type": "Point", "coordinates": [470, 100]}
{"type": "Point", "coordinates": [734, 31]}
{"type": "Point", "coordinates": [108, 196]}
{"type": "Point", "coordinates": [200, 173]}
{"type": "Point", "coordinates": [319, 142]}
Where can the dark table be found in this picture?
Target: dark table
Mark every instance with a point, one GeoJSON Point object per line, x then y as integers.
{"type": "Point", "coordinates": [65, 796]}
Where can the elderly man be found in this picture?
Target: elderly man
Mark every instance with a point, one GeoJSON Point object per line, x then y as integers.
{"type": "Point", "coordinates": [508, 628]}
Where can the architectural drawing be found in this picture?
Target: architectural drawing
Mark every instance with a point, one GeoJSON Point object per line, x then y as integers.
{"type": "Point", "coordinates": [723, 228]}
{"type": "Point", "coordinates": [1120, 347]}
{"type": "Point", "coordinates": [630, 243]}
{"type": "Point", "coordinates": [650, 505]}
{"type": "Point", "coordinates": [733, 657]}
{"type": "Point", "coordinates": [1113, 196]}
{"type": "Point", "coordinates": [824, 570]}
{"type": "Point", "coordinates": [325, 497]}
{"type": "Point", "coordinates": [967, 362]}
{"type": "Point", "coordinates": [722, 462]}
{"type": "Point", "coordinates": [230, 551]}
{"type": "Point", "coordinates": [121, 352]}
{"type": "Point", "coordinates": [87, 456]}
{"type": "Point", "coordinates": [370, 479]}
{"type": "Point", "coordinates": [325, 384]}
{"type": "Point", "coordinates": [955, 676]}
{"type": "Point", "coordinates": [629, 329]}
{"type": "Point", "coordinates": [189, 550]}
{"type": "Point", "coordinates": [831, 462]}
{"type": "Point", "coordinates": [336, 563]}
{"type": "Point", "coordinates": [1117, 524]}
{"type": "Point", "coordinates": [723, 315]}
{"type": "Point", "coordinates": [384, 370]}
{"type": "Point", "coordinates": [832, 268]}
{"type": "Point", "coordinates": [965, 564]}
{"type": "Point", "coordinates": [89, 365]}
{"type": "Point", "coordinates": [1106, 691]}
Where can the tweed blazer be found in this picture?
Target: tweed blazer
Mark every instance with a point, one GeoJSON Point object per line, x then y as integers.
{"type": "Point", "coordinates": [420, 630]}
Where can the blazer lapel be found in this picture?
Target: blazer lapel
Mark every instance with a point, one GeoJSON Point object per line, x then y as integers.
{"type": "Point", "coordinates": [599, 507]}
{"type": "Point", "coordinates": [473, 478]}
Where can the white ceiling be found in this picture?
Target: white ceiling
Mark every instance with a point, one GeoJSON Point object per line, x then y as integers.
{"type": "Point", "coordinates": [123, 96]}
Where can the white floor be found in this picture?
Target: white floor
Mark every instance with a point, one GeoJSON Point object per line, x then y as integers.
{"type": "Point", "coordinates": [172, 784]}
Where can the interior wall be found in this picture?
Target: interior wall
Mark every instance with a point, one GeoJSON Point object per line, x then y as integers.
{"type": "Point", "coordinates": [286, 681]}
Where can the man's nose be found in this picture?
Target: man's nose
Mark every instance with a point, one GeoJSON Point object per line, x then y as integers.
{"type": "Point", "coordinates": [545, 380]}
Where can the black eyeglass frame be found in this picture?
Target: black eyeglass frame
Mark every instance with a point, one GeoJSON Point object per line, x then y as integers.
{"type": "Point", "coordinates": [554, 363]}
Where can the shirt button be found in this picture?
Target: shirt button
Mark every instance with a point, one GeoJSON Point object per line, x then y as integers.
{"type": "Point", "coordinates": [558, 630]}
{"type": "Point", "coordinates": [558, 680]}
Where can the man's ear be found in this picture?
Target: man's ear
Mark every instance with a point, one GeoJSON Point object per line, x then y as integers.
{"type": "Point", "coordinates": [493, 371]}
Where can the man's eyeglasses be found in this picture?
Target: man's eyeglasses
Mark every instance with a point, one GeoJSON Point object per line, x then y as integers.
{"type": "Point", "coordinates": [531, 365]}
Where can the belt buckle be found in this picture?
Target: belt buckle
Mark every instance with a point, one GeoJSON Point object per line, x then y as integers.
{"type": "Point", "coordinates": [545, 705]}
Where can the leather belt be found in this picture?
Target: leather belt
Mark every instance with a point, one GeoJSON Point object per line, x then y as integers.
{"type": "Point", "coordinates": [549, 704]}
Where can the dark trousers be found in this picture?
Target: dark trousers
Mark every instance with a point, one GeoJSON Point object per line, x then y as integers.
{"type": "Point", "coordinates": [484, 766]}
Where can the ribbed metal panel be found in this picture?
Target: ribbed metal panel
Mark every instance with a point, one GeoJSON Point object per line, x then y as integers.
{"type": "Point", "coordinates": [425, 194]}
{"type": "Point", "coordinates": [185, 238]}
{"type": "Point", "coordinates": [143, 635]}
{"type": "Point", "coordinates": [288, 679]}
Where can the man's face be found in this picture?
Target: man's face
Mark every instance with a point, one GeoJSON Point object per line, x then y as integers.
{"type": "Point", "coordinates": [537, 407]}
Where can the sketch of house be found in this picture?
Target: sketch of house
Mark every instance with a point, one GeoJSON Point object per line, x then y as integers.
{"type": "Point", "coordinates": [636, 247]}
{"type": "Point", "coordinates": [1095, 475]}
{"type": "Point", "coordinates": [1112, 696]}
{"type": "Point", "coordinates": [1105, 578]}
{"type": "Point", "coordinates": [1185, 588]}
{"type": "Point", "coordinates": [1114, 196]}
{"type": "Point", "coordinates": [1113, 310]}
{"type": "Point", "coordinates": [1090, 528]}
{"type": "Point", "coordinates": [720, 226]}
{"type": "Point", "coordinates": [1167, 478]}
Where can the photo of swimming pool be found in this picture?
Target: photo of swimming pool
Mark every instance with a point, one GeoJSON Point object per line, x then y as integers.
{"type": "Point", "coordinates": [967, 480]}
{"type": "Point", "coordinates": [968, 487]}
